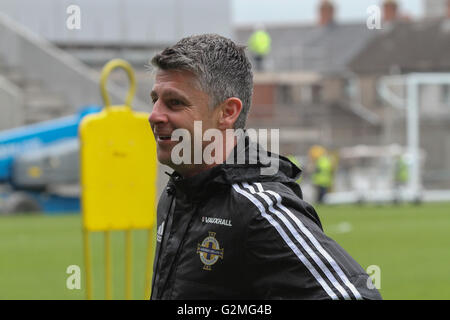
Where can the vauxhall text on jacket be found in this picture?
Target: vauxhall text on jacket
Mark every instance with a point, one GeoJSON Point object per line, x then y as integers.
{"type": "Point", "coordinates": [232, 233]}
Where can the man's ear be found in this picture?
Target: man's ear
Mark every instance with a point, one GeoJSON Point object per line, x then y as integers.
{"type": "Point", "coordinates": [228, 113]}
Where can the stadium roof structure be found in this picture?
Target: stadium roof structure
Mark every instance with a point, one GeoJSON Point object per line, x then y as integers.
{"type": "Point", "coordinates": [312, 48]}
{"type": "Point", "coordinates": [405, 47]}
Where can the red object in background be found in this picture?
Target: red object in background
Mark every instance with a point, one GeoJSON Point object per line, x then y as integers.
{"type": "Point", "coordinates": [263, 101]}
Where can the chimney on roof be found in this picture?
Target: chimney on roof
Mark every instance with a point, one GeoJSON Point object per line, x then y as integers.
{"type": "Point", "coordinates": [390, 10]}
{"type": "Point", "coordinates": [326, 13]}
{"type": "Point", "coordinates": [448, 9]}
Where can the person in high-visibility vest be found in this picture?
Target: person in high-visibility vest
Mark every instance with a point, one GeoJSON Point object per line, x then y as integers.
{"type": "Point", "coordinates": [322, 177]}
{"type": "Point", "coordinates": [259, 45]}
{"type": "Point", "coordinates": [401, 177]}
{"type": "Point", "coordinates": [401, 171]}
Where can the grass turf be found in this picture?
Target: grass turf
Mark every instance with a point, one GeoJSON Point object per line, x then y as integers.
{"type": "Point", "coordinates": [410, 244]}
{"type": "Point", "coordinates": [36, 250]}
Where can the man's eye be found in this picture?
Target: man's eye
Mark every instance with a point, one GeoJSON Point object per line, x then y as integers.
{"type": "Point", "coordinates": [175, 102]}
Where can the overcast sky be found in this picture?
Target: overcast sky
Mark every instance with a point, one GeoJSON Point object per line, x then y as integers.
{"type": "Point", "coordinates": [254, 11]}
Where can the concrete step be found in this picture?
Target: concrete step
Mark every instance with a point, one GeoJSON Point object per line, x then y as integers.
{"type": "Point", "coordinates": [3, 65]}
{"type": "Point", "coordinates": [42, 114]}
{"type": "Point", "coordinates": [39, 103]}
{"type": "Point", "coordinates": [34, 87]}
{"type": "Point", "coordinates": [20, 79]}
{"type": "Point", "coordinates": [40, 106]}
{"type": "Point", "coordinates": [16, 75]}
{"type": "Point", "coordinates": [38, 100]}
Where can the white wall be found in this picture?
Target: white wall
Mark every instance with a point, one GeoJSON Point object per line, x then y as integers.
{"type": "Point", "coordinates": [435, 8]}
{"type": "Point", "coordinates": [123, 21]}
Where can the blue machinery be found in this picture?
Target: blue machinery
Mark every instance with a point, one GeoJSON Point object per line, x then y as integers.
{"type": "Point", "coordinates": [39, 166]}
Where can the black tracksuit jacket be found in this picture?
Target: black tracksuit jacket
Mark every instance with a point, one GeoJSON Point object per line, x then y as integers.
{"type": "Point", "coordinates": [232, 233]}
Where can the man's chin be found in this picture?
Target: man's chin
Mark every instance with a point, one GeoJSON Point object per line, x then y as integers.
{"type": "Point", "coordinates": [165, 161]}
{"type": "Point", "coordinates": [180, 168]}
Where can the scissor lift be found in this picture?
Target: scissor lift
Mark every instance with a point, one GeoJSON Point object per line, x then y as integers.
{"type": "Point", "coordinates": [39, 166]}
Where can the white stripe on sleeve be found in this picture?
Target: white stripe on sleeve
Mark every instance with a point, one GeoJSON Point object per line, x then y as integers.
{"type": "Point", "coordinates": [314, 241]}
{"type": "Point", "coordinates": [298, 237]}
{"type": "Point", "coordinates": [288, 241]}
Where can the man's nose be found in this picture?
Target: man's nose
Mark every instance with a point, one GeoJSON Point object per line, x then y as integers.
{"type": "Point", "coordinates": [158, 115]}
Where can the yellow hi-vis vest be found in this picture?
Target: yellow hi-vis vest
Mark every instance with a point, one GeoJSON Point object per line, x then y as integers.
{"type": "Point", "coordinates": [259, 42]}
{"type": "Point", "coordinates": [401, 171]}
{"type": "Point", "coordinates": [324, 171]}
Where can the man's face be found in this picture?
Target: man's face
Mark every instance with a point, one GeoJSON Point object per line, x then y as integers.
{"type": "Point", "coordinates": [177, 103]}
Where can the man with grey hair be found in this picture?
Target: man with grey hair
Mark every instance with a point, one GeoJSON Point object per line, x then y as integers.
{"type": "Point", "coordinates": [225, 229]}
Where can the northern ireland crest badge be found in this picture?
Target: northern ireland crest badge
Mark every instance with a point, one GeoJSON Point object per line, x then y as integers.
{"type": "Point", "coordinates": [209, 251]}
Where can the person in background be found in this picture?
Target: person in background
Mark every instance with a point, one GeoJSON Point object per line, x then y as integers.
{"type": "Point", "coordinates": [401, 176]}
{"type": "Point", "coordinates": [322, 177]}
{"type": "Point", "coordinates": [259, 46]}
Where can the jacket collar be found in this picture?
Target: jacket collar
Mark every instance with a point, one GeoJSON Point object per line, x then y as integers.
{"type": "Point", "coordinates": [252, 159]}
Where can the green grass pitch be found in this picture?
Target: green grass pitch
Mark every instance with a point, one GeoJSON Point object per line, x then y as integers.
{"type": "Point", "coordinates": [410, 245]}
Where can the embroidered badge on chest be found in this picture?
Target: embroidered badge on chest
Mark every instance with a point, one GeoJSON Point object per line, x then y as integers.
{"type": "Point", "coordinates": [209, 251]}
